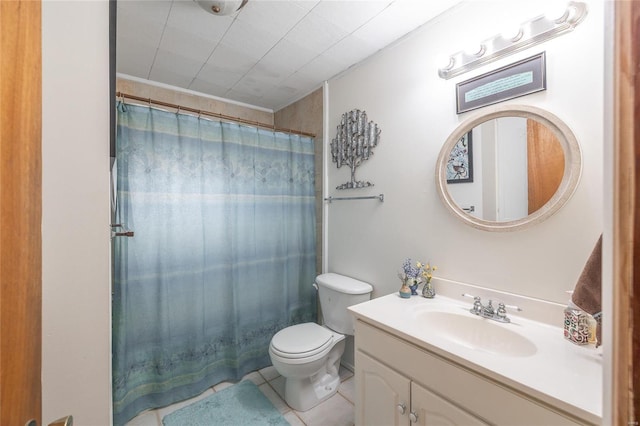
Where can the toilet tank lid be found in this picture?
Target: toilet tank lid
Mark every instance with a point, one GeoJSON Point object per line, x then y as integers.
{"type": "Point", "coordinates": [343, 284]}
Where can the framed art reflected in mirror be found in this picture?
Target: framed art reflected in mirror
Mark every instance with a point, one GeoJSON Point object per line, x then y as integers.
{"type": "Point", "coordinates": [460, 163]}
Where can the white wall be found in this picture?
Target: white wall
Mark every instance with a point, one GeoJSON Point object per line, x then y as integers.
{"type": "Point", "coordinates": [401, 91]}
{"type": "Point", "coordinates": [513, 189]}
{"type": "Point", "coordinates": [76, 322]}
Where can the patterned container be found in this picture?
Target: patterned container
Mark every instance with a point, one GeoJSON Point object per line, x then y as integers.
{"type": "Point", "coordinates": [576, 326]}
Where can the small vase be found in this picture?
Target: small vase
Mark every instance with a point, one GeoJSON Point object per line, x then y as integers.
{"type": "Point", "coordinates": [405, 291]}
{"type": "Point", "coordinates": [428, 291]}
{"type": "Point", "coordinates": [413, 289]}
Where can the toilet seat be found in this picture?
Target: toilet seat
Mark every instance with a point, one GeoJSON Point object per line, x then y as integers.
{"type": "Point", "coordinates": [302, 341]}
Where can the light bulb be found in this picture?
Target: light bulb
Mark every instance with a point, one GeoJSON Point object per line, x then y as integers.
{"type": "Point", "coordinates": [556, 11]}
{"type": "Point", "coordinates": [512, 33]}
{"type": "Point", "coordinates": [477, 50]}
{"type": "Point", "coordinates": [445, 62]}
{"type": "Point", "coordinates": [572, 13]}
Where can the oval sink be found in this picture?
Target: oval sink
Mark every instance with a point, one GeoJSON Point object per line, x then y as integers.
{"type": "Point", "coordinates": [476, 333]}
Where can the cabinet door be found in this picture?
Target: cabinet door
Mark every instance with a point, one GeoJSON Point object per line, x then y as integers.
{"type": "Point", "coordinates": [382, 394]}
{"type": "Point", "coordinates": [431, 410]}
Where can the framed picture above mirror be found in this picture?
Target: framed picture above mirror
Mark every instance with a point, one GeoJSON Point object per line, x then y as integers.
{"type": "Point", "coordinates": [518, 79]}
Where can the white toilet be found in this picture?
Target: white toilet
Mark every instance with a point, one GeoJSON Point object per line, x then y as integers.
{"type": "Point", "coordinates": [308, 355]}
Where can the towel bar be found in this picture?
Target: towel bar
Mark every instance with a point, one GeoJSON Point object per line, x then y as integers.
{"type": "Point", "coordinates": [368, 197]}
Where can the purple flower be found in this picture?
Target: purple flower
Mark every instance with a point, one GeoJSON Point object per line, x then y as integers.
{"type": "Point", "coordinates": [410, 270]}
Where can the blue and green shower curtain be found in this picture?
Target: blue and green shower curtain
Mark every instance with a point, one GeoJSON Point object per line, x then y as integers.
{"type": "Point", "coordinates": [222, 258]}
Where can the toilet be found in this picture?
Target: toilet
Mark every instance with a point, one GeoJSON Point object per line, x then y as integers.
{"type": "Point", "coordinates": [308, 355]}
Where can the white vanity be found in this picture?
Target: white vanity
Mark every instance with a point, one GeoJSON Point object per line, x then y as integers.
{"type": "Point", "coordinates": [431, 362]}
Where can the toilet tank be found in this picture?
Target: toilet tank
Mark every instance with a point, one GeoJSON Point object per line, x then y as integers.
{"type": "Point", "coordinates": [338, 292]}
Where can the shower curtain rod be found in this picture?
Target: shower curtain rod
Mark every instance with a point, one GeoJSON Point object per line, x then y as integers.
{"type": "Point", "coordinates": [212, 114]}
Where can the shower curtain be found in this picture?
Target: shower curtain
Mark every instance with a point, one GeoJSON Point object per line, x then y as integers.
{"type": "Point", "coordinates": [222, 258]}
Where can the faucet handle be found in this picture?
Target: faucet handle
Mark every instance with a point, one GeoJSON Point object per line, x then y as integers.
{"type": "Point", "coordinates": [501, 313]}
{"type": "Point", "coordinates": [477, 304]}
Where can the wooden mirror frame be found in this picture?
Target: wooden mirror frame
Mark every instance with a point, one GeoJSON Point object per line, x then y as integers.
{"type": "Point", "coordinates": [568, 184]}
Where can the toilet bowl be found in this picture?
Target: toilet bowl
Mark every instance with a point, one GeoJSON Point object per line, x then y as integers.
{"type": "Point", "coordinates": [308, 355]}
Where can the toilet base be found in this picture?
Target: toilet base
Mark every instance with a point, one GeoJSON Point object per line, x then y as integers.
{"type": "Point", "coordinates": [304, 394]}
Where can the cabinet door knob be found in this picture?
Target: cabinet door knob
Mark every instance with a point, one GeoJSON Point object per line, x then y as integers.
{"type": "Point", "coordinates": [402, 408]}
{"type": "Point", "coordinates": [413, 416]}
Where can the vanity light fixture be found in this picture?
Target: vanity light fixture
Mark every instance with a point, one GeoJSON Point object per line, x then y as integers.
{"type": "Point", "coordinates": [221, 7]}
{"type": "Point", "coordinates": [529, 34]}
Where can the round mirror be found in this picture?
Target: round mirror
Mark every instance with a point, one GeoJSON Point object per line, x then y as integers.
{"type": "Point", "coordinates": [508, 168]}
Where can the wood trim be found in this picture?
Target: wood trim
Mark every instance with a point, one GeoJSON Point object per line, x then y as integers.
{"type": "Point", "coordinates": [626, 220]}
{"type": "Point", "coordinates": [632, 297]}
{"type": "Point", "coordinates": [20, 212]}
{"type": "Point", "coordinates": [199, 112]}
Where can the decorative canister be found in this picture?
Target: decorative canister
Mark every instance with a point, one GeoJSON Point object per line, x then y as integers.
{"type": "Point", "coordinates": [576, 326]}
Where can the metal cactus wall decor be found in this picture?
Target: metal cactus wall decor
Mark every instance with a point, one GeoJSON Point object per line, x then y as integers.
{"type": "Point", "coordinates": [353, 144]}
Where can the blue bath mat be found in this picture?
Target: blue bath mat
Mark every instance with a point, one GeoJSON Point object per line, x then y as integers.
{"type": "Point", "coordinates": [240, 404]}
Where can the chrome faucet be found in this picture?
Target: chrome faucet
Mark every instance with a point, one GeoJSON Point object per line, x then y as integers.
{"type": "Point", "coordinates": [488, 311]}
{"type": "Point", "coordinates": [477, 305]}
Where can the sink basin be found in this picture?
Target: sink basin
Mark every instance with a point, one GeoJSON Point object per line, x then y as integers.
{"type": "Point", "coordinates": [476, 333]}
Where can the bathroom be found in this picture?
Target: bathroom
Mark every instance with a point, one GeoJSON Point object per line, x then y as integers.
{"type": "Point", "coordinates": [358, 238]}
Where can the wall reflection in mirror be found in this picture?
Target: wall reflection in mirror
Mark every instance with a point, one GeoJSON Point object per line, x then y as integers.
{"type": "Point", "coordinates": [511, 166]}
{"type": "Point", "coordinates": [508, 168]}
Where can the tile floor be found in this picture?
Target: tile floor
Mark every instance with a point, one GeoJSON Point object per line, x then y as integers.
{"type": "Point", "coordinates": [336, 411]}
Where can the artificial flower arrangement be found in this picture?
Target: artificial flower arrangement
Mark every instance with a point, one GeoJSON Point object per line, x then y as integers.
{"type": "Point", "coordinates": [427, 272]}
{"type": "Point", "coordinates": [412, 275]}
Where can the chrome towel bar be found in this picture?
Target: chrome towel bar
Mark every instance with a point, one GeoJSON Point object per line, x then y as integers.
{"type": "Point", "coordinates": [368, 197]}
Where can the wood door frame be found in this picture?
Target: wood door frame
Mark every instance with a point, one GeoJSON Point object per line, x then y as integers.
{"type": "Point", "coordinates": [20, 212]}
{"type": "Point", "coordinates": [626, 218]}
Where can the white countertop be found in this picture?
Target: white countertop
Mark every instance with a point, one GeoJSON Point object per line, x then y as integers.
{"type": "Point", "coordinates": [559, 372]}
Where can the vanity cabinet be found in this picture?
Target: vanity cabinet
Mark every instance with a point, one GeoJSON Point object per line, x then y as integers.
{"type": "Point", "coordinates": [400, 383]}
{"type": "Point", "coordinates": [431, 410]}
{"type": "Point", "coordinates": [388, 398]}
{"type": "Point", "coordinates": [384, 394]}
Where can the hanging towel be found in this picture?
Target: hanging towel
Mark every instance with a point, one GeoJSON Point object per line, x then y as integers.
{"type": "Point", "coordinates": [587, 294]}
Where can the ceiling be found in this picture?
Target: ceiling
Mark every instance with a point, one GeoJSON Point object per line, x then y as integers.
{"type": "Point", "coordinates": [269, 54]}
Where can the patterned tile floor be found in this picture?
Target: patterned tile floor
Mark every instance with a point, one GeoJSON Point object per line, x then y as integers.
{"type": "Point", "coordinates": [336, 411]}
